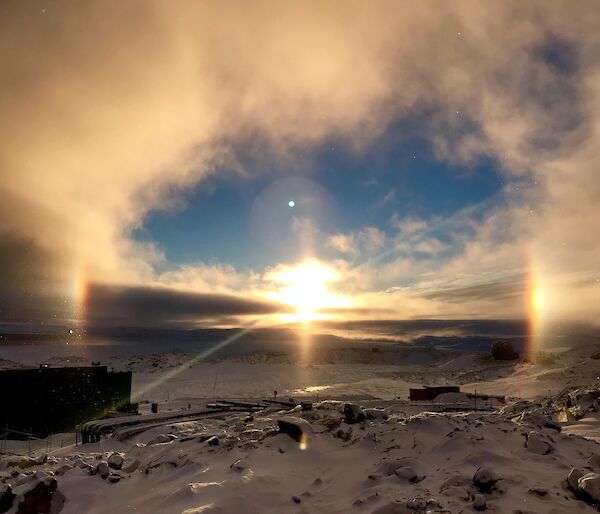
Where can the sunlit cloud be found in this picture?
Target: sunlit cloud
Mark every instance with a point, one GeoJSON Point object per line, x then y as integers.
{"type": "Point", "coordinates": [103, 125]}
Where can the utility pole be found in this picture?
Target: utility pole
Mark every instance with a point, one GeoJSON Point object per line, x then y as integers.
{"type": "Point", "coordinates": [215, 385]}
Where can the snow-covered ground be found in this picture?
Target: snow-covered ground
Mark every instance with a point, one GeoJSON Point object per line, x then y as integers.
{"type": "Point", "coordinates": [417, 460]}
{"type": "Point", "coordinates": [428, 462]}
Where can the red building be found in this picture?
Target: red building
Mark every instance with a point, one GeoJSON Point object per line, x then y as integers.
{"type": "Point", "coordinates": [429, 393]}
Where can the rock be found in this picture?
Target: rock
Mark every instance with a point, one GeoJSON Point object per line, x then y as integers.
{"type": "Point", "coordinates": [537, 419]}
{"type": "Point", "coordinates": [594, 461]}
{"type": "Point", "coordinates": [57, 503]}
{"type": "Point", "coordinates": [115, 461]}
{"type": "Point", "coordinates": [296, 499]}
{"type": "Point", "coordinates": [36, 497]}
{"type": "Point", "coordinates": [537, 443]}
{"type": "Point", "coordinates": [573, 479]}
{"type": "Point", "coordinates": [113, 478]}
{"type": "Point", "coordinates": [589, 484]}
{"type": "Point", "coordinates": [239, 426]}
{"type": "Point", "coordinates": [354, 413]}
{"type": "Point", "coordinates": [306, 405]}
{"type": "Point", "coordinates": [213, 441]}
{"type": "Point", "coordinates": [479, 502]}
{"type": "Point", "coordinates": [484, 479]}
{"type": "Point", "coordinates": [566, 416]}
{"type": "Point", "coordinates": [21, 479]}
{"type": "Point", "coordinates": [407, 473]}
{"type": "Point", "coordinates": [80, 463]}
{"type": "Point", "coordinates": [102, 469]}
{"type": "Point", "coordinates": [343, 435]}
{"type": "Point", "coordinates": [7, 498]}
{"type": "Point", "coordinates": [297, 428]}
{"type": "Point", "coordinates": [23, 463]}
{"type": "Point", "coordinates": [252, 433]}
{"type": "Point", "coordinates": [503, 350]}
{"type": "Point", "coordinates": [538, 491]}
{"type": "Point", "coordinates": [378, 414]}
{"type": "Point", "coordinates": [418, 504]}
{"type": "Point", "coordinates": [41, 459]}
{"type": "Point", "coordinates": [163, 438]}
{"type": "Point", "coordinates": [130, 467]}
{"type": "Point", "coordinates": [238, 465]}
{"type": "Point", "coordinates": [60, 471]}
{"type": "Point", "coordinates": [585, 399]}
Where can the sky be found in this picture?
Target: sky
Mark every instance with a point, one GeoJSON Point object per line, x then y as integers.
{"type": "Point", "coordinates": [440, 159]}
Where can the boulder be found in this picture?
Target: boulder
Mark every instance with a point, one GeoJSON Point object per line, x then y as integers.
{"type": "Point", "coordinates": [60, 471]}
{"type": "Point", "coordinates": [163, 438]}
{"type": "Point", "coordinates": [213, 441]}
{"type": "Point", "coordinates": [113, 478]}
{"type": "Point", "coordinates": [566, 415]}
{"type": "Point", "coordinates": [41, 459]}
{"type": "Point", "coordinates": [573, 479]}
{"type": "Point", "coordinates": [406, 472]}
{"type": "Point", "coordinates": [537, 443]}
{"type": "Point", "coordinates": [7, 498]}
{"type": "Point", "coordinates": [38, 497]}
{"type": "Point", "coordinates": [131, 466]}
{"type": "Point", "coordinates": [378, 414]}
{"type": "Point", "coordinates": [589, 484]}
{"type": "Point", "coordinates": [479, 502]}
{"type": "Point", "coordinates": [22, 462]}
{"type": "Point", "coordinates": [80, 463]}
{"type": "Point", "coordinates": [484, 479]}
{"type": "Point", "coordinates": [297, 428]}
{"type": "Point", "coordinates": [354, 413]}
{"type": "Point", "coordinates": [102, 469]}
{"type": "Point", "coordinates": [504, 351]}
{"type": "Point", "coordinates": [115, 461]}
{"type": "Point", "coordinates": [538, 420]}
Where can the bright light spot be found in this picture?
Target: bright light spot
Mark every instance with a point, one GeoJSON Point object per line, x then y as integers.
{"type": "Point", "coordinates": [303, 442]}
{"type": "Point", "coordinates": [291, 203]}
{"type": "Point", "coordinates": [70, 331]}
{"type": "Point", "coordinates": [305, 289]}
{"type": "Point", "coordinates": [538, 299]}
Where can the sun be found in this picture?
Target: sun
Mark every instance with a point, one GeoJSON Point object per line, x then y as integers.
{"type": "Point", "coordinates": [305, 288]}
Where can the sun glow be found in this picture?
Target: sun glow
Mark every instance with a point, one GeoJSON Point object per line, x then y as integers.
{"type": "Point", "coordinates": [537, 307]}
{"type": "Point", "coordinates": [305, 288]}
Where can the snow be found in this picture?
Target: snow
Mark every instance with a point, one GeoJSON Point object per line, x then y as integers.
{"type": "Point", "coordinates": [459, 460]}
{"type": "Point", "coordinates": [404, 458]}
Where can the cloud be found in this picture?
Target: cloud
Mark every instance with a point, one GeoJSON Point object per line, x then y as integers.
{"type": "Point", "coordinates": [111, 110]}
{"type": "Point", "coordinates": [343, 243]}
{"type": "Point", "coordinates": [160, 306]}
{"type": "Point", "coordinates": [214, 278]}
{"type": "Point", "coordinates": [366, 240]}
{"type": "Point", "coordinates": [407, 226]}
